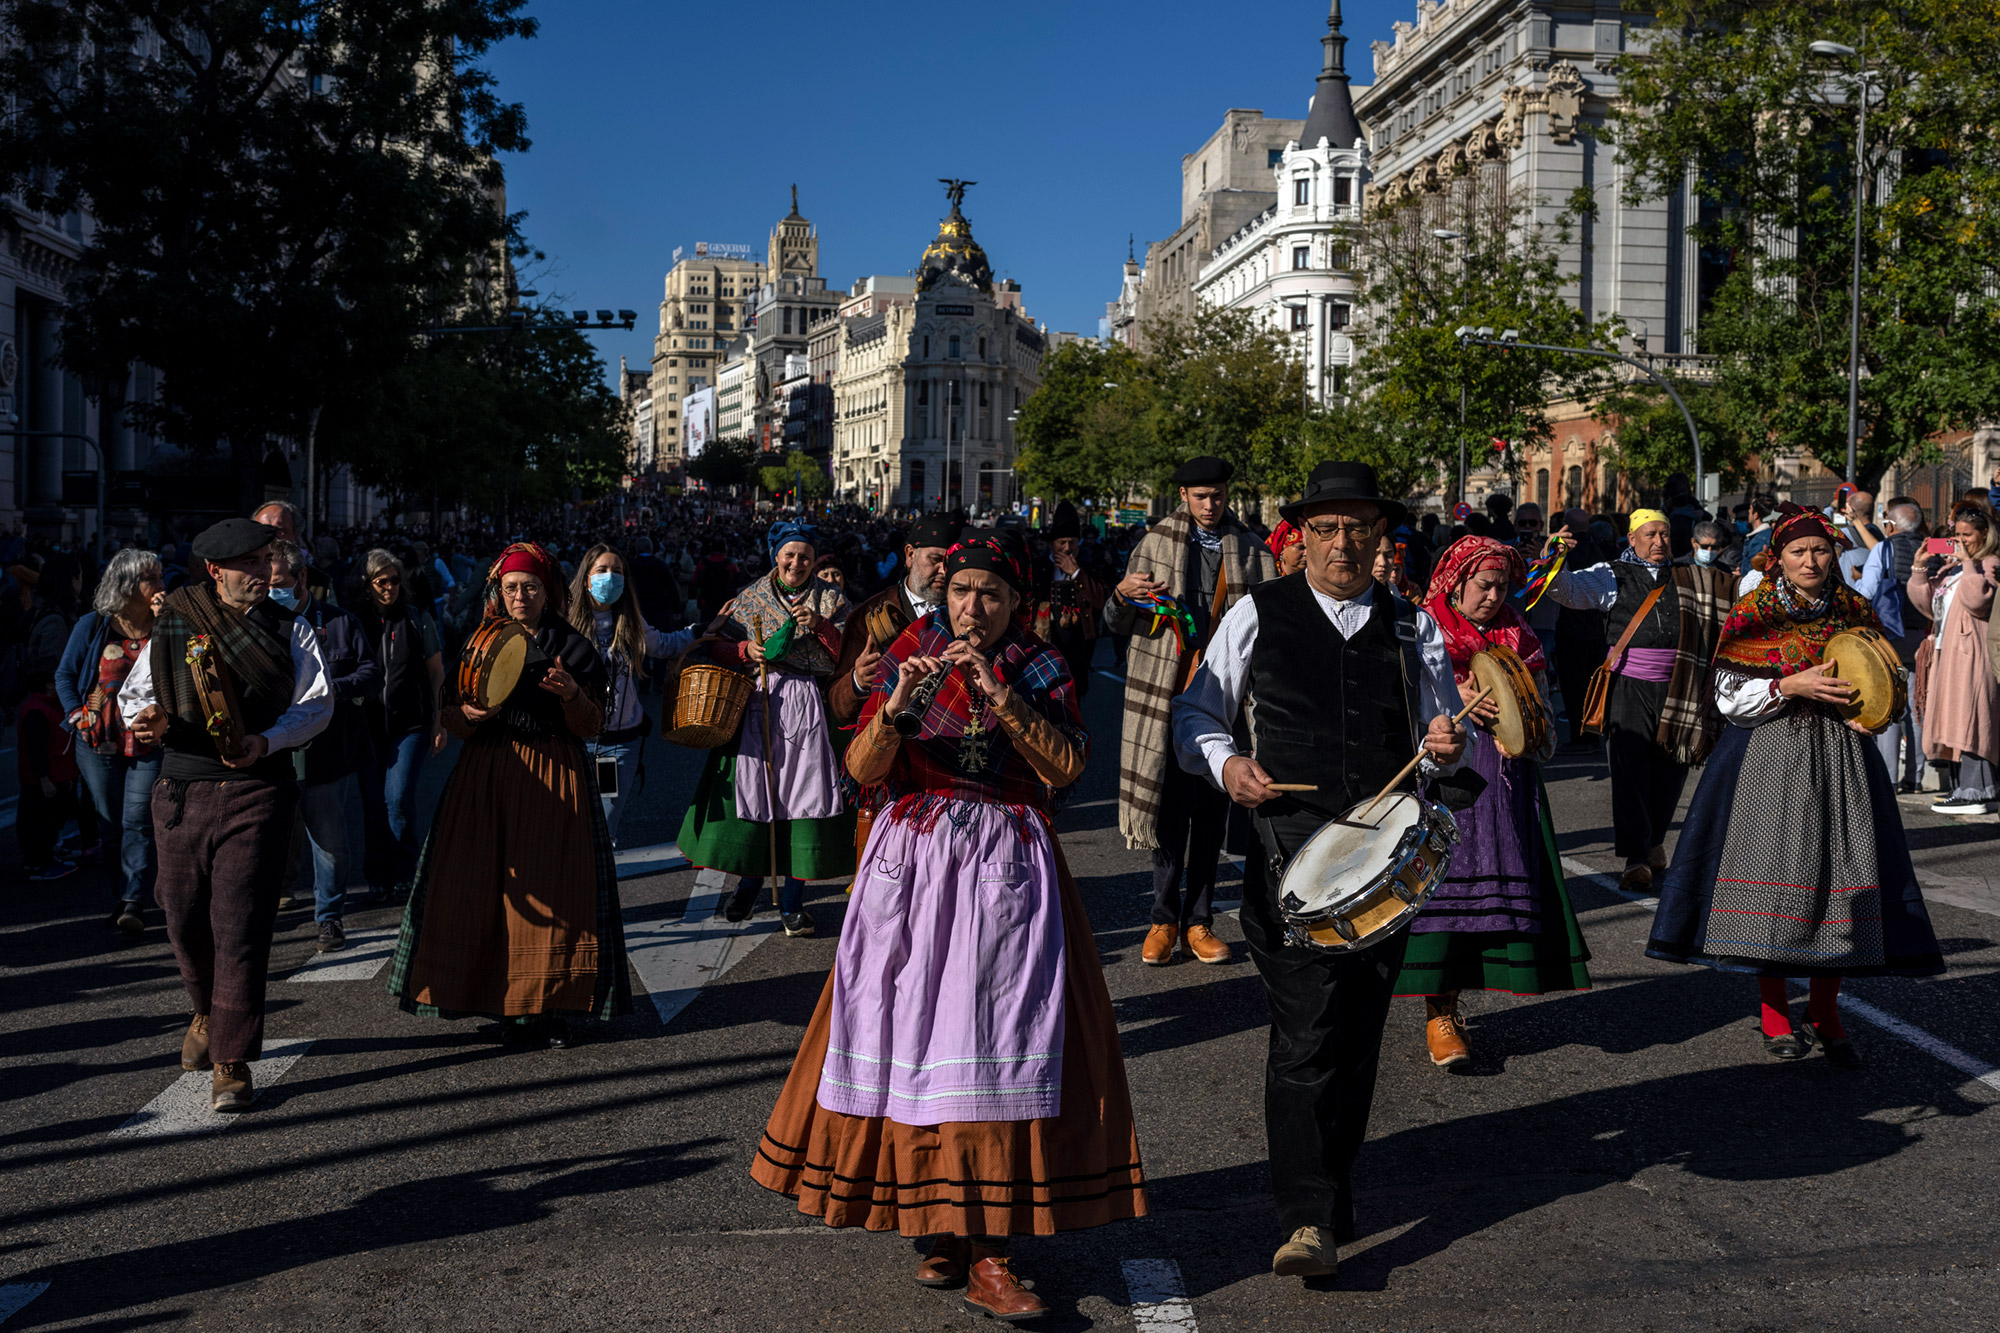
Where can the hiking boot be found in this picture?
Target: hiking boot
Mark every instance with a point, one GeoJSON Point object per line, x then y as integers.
{"type": "Point", "coordinates": [232, 1089]}
{"type": "Point", "coordinates": [194, 1046]}
{"type": "Point", "coordinates": [992, 1289]}
{"type": "Point", "coordinates": [332, 938]}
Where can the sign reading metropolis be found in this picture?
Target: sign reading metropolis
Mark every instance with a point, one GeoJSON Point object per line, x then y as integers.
{"type": "Point", "coordinates": [713, 250]}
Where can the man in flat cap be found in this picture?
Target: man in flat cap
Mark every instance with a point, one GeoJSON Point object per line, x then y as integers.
{"type": "Point", "coordinates": [230, 682]}
{"type": "Point", "coordinates": [1349, 684]}
{"type": "Point", "coordinates": [1204, 558]}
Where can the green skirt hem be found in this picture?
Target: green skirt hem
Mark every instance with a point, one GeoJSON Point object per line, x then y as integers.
{"type": "Point", "coordinates": [713, 836]}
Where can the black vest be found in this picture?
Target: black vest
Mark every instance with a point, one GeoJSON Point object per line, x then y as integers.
{"type": "Point", "coordinates": [1329, 710]}
{"type": "Point", "coordinates": [1663, 623]}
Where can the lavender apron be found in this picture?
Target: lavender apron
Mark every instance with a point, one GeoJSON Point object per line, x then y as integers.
{"type": "Point", "coordinates": [948, 987]}
{"type": "Point", "coordinates": [808, 787]}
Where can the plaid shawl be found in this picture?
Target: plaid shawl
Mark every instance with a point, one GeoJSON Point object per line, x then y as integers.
{"type": "Point", "coordinates": [258, 657]}
{"type": "Point", "coordinates": [1152, 667]}
{"type": "Point", "coordinates": [765, 600]}
{"type": "Point", "coordinates": [1690, 724]}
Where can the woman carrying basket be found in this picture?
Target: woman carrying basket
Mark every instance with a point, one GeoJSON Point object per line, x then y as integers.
{"type": "Point", "coordinates": [775, 789]}
{"type": "Point", "coordinates": [1502, 919]}
{"type": "Point", "coordinates": [514, 912]}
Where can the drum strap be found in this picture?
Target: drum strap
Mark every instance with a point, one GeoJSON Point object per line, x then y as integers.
{"type": "Point", "coordinates": [1413, 665]}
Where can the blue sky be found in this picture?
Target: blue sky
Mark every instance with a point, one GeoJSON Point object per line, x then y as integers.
{"type": "Point", "coordinates": [658, 125]}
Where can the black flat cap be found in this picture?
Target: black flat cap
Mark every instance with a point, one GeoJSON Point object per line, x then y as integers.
{"type": "Point", "coordinates": [932, 531]}
{"type": "Point", "coordinates": [1344, 481]}
{"type": "Point", "coordinates": [1203, 471]}
{"type": "Point", "coordinates": [233, 537]}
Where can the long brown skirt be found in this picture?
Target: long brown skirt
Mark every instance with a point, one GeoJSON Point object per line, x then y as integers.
{"type": "Point", "coordinates": [971, 1178]}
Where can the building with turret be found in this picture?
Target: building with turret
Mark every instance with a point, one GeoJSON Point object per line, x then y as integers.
{"type": "Point", "coordinates": [925, 384]}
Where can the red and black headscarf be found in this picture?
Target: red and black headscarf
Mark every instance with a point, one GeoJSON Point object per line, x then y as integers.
{"type": "Point", "coordinates": [527, 558]}
{"type": "Point", "coordinates": [989, 554]}
{"type": "Point", "coordinates": [1792, 522]}
{"type": "Point", "coordinates": [1462, 559]}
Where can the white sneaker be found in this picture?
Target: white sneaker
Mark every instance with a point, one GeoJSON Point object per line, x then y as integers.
{"type": "Point", "coordinates": [1962, 808]}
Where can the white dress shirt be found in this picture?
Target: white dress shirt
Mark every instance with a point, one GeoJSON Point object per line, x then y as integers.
{"type": "Point", "coordinates": [1204, 716]}
{"type": "Point", "coordinates": [1594, 588]}
{"type": "Point", "coordinates": [312, 692]}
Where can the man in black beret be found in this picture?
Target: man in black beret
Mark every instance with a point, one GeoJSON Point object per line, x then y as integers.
{"type": "Point", "coordinates": [1202, 557]}
{"type": "Point", "coordinates": [229, 684]}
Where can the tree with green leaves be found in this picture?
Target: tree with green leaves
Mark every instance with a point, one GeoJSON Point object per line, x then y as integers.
{"type": "Point", "coordinates": [1504, 271]}
{"type": "Point", "coordinates": [283, 194]}
{"type": "Point", "coordinates": [1222, 380]}
{"type": "Point", "coordinates": [799, 476]}
{"type": "Point", "coordinates": [729, 461]}
{"type": "Point", "coordinates": [1729, 94]}
{"type": "Point", "coordinates": [1086, 431]}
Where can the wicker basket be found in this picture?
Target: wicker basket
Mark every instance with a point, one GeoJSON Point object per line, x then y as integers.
{"type": "Point", "coordinates": [708, 704]}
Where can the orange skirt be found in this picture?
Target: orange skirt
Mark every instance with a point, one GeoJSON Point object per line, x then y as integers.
{"type": "Point", "coordinates": [971, 1178]}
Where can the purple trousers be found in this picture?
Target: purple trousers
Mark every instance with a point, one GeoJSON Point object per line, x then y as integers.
{"type": "Point", "coordinates": [222, 851]}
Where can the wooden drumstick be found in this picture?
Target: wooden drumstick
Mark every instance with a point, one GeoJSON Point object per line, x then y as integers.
{"type": "Point", "coordinates": [1291, 786]}
{"type": "Point", "coordinates": [1418, 758]}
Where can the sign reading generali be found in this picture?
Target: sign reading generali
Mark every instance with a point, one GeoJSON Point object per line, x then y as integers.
{"type": "Point", "coordinates": [714, 250]}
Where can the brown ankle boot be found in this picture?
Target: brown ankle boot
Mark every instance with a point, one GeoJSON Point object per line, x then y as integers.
{"type": "Point", "coordinates": [194, 1046]}
{"type": "Point", "coordinates": [232, 1088]}
{"type": "Point", "coordinates": [992, 1289]}
{"type": "Point", "coordinates": [1444, 1030]}
{"type": "Point", "coordinates": [945, 1266]}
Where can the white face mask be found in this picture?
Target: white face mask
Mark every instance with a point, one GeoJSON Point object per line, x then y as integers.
{"type": "Point", "coordinates": [1703, 556]}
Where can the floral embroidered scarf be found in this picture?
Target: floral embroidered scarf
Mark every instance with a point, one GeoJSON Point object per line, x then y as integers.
{"type": "Point", "coordinates": [1769, 634]}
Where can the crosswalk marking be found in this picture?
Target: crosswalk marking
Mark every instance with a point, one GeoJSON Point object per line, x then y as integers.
{"type": "Point", "coordinates": [184, 1107]}
{"type": "Point", "coordinates": [656, 859]}
{"type": "Point", "coordinates": [676, 958]}
{"type": "Point", "coordinates": [366, 952]}
{"type": "Point", "coordinates": [15, 1295]}
{"type": "Point", "coordinates": [1158, 1297]}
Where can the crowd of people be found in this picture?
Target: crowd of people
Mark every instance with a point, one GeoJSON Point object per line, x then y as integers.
{"type": "Point", "coordinates": [900, 709]}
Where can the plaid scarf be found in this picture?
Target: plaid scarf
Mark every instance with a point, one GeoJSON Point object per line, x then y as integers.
{"type": "Point", "coordinates": [1152, 667]}
{"type": "Point", "coordinates": [1690, 724]}
{"type": "Point", "coordinates": [258, 657]}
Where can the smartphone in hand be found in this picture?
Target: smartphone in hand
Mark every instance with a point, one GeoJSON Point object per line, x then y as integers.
{"type": "Point", "coordinates": [1939, 546]}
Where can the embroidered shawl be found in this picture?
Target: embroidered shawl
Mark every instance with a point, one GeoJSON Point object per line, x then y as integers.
{"type": "Point", "coordinates": [1763, 639]}
{"type": "Point", "coordinates": [765, 600]}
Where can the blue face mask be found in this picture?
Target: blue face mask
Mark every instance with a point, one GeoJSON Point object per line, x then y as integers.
{"type": "Point", "coordinates": [287, 597]}
{"type": "Point", "coordinates": [1743, 525]}
{"type": "Point", "coordinates": [1703, 556]}
{"type": "Point", "coordinates": [606, 588]}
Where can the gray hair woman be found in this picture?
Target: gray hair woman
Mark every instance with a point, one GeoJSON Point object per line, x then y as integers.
{"type": "Point", "coordinates": [117, 768]}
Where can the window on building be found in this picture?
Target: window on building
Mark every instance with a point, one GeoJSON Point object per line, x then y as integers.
{"type": "Point", "coordinates": [1607, 494]}
{"type": "Point", "coordinates": [1572, 489]}
{"type": "Point", "coordinates": [982, 395]}
{"type": "Point", "coordinates": [951, 350]}
{"type": "Point", "coordinates": [1343, 257]}
{"type": "Point", "coordinates": [1301, 256]}
{"type": "Point", "coordinates": [1302, 190]}
{"type": "Point", "coordinates": [917, 490]}
{"type": "Point", "coordinates": [1338, 315]}
{"type": "Point", "coordinates": [1339, 372]}
{"type": "Point", "coordinates": [1299, 324]}
{"type": "Point", "coordinates": [923, 393]}
{"type": "Point", "coordinates": [927, 347]}
{"type": "Point", "coordinates": [1273, 156]}
{"type": "Point", "coordinates": [982, 348]}
{"type": "Point", "coordinates": [1343, 191]}
{"type": "Point", "coordinates": [1542, 488]}
{"type": "Point", "coordinates": [788, 319]}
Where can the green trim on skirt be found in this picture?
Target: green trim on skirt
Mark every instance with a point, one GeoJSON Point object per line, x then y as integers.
{"type": "Point", "coordinates": [712, 835]}
{"type": "Point", "coordinates": [1438, 961]}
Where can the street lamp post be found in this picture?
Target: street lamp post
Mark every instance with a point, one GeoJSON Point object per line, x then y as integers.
{"type": "Point", "coordinates": [1447, 234]}
{"type": "Point", "coordinates": [1838, 51]}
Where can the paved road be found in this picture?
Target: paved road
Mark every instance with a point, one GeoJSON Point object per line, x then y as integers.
{"type": "Point", "coordinates": [1623, 1158]}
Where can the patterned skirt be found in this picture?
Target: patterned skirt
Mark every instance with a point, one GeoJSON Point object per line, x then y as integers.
{"type": "Point", "coordinates": [1792, 861]}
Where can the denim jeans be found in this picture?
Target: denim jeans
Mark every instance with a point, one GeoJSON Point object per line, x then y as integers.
{"type": "Point", "coordinates": [121, 790]}
{"type": "Point", "coordinates": [323, 806]}
{"type": "Point", "coordinates": [627, 756]}
{"type": "Point", "coordinates": [389, 812]}
{"type": "Point", "coordinates": [791, 893]}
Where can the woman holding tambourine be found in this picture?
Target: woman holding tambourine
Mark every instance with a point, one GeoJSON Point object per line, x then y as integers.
{"type": "Point", "coordinates": [514, 913]}
{"type": "Point", "coordinates": [1501, 920]}
{"type": "Point", "coordinates": [1792, 862]}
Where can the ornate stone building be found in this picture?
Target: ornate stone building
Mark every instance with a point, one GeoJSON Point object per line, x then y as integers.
{"type": "Point", "coordinates": [1293, 263]}
{"type": "Point", "coordinates": [926, 383]}
{"type": "Point", "coordinates": [792, 302]}
{"type": "Point", "coordinates": [705, 310]}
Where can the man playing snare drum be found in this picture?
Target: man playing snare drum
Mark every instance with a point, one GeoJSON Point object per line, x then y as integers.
{"type": "Point", "coordinates": [1346, 681]}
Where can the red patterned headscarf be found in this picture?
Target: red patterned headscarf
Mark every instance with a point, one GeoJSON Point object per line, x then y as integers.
{"type": "Point", "coordinates": [1462, 559]}
{"type": "Point", "coordinates": [1284, 535]}
{"type": "Point", "coordinates": [527, 558]}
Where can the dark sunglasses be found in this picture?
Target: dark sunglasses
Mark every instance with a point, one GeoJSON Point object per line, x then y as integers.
{"type": "Point", "coordinates": [387, 581]}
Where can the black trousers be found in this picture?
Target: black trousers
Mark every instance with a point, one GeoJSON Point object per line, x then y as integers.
{"type": "Point", "coordinates": [1645, 788]}
{"type": "Point", "coordinates": [1077, 651]}
{"type": "Point", "coordinates": [1327, 1015]}
{"type": "Point", "coordinates": [1576, 659]}
{"type": "Point", "coordinates": [1193, 818]}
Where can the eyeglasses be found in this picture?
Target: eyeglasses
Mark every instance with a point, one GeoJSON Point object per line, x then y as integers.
{"type": "Point", "coordinates": [387, 581]}
{"type": "Point", "coordinates": [1708, 546]}
{"type": "Point", "coordinates": [1353, 533]}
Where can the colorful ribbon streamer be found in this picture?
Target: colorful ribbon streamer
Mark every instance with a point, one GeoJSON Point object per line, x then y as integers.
{"type": "Point", "coordinates": [1170, 611]}
{"type": "Point", "coordinates": [1541, 572]}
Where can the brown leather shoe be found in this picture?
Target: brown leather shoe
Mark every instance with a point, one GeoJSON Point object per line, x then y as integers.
{"type": "Point", "coordinates": [1309, 1253]}
{"type": "Point", "coordinates": [194, 1046]}
{"type": "Point", "coordinates": [1159, 946]}
{"type": "Point", "coordinates": [992, 1289]}
{"type": "Point", "coordinates": [1444, 1031]}
{"type": "Point", "coordinates": [1205, 945]}
{"type": "Point", "coordinates": [945, 1265]}
{"type": "Point", "coordinates": [1656, 860]}
{"type": "Point", "coordinates": [232, 1088]}
{"type": "Point", "coordinates": [1638, 878]}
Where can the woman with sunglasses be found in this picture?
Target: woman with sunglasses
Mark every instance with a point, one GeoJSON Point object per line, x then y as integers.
{"type": "Point", "coordinates": [403, 722]}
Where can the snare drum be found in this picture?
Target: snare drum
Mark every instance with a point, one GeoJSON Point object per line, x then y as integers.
{"type": "Point", "coordinates": [491, 665]}
{"type": "Point", "coordinates": [1524, 723]}
{"type": "Point", "coordinates": [1354, 883]}
{"type": "Point", "coordinates": [1864, 659]}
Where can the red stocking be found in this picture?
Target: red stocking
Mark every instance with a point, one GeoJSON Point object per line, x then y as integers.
{"type": "Point", "coordinates": [1777, 1006]}
{"type": "Point", "coordinates": [1823, 1006]}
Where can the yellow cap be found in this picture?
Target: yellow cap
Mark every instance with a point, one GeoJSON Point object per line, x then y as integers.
{"type": "Point", "coordinates": [1641, 517]}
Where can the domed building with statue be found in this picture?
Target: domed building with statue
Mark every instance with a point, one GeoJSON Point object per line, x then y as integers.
{"type": "Point", "coordinates": [927, 373]}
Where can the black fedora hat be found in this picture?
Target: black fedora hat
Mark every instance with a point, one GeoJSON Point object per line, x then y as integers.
{"type": "Point", "coordinates": [1344, 481]}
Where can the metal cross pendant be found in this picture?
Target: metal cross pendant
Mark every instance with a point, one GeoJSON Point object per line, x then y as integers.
{"type": "Point", "coordinates": [972, 748]}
